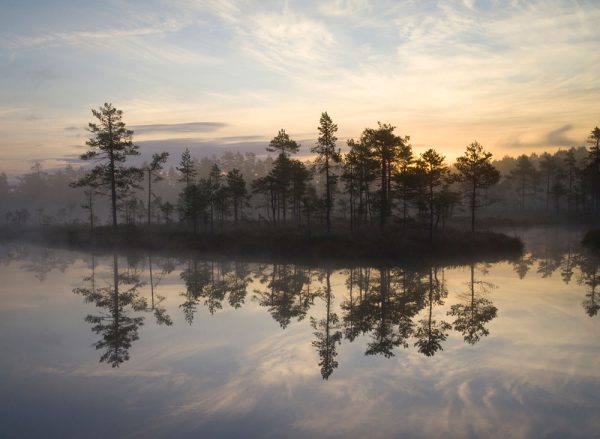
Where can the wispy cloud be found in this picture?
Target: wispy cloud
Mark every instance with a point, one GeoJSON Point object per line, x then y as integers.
{"type": "Point", "coordinates": [504, 73]}
{"type": "Point", "coordinates": [554, 138]}
{"type": "Point", "coordinates": [187, 127]}
{"type": "Point", "coordinates": [81, 37]}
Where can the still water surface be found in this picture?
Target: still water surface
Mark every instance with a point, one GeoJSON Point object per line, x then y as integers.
{"type": "Point", "coordinates": [210, 348]}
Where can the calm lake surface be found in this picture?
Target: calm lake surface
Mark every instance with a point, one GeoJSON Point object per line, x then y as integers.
{"type": "Point", "coordinates": [148, 346]}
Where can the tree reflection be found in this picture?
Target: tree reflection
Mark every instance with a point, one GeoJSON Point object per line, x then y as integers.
{"type": "Point", "coordinates": [288, 293]}
{"type": "Point", "coordinates": [355, 320]}
{"type": "Point", "coordinates": [211, 282]}
{"type": "Point", "coordinates": [588, 263]}
{"type": "Point", "coordinates": [45, 261]}
{"type": "Point", "coordinates": [553, 256]}
{"type": "Point", "coordinates": [430, 333]}
{"type": "Point", "coordinates": [237, 280]}
{"type": "Point", "coordinates": [160, 313]}
{"type": "Point", "coordinates": [524, 264]}
{"type": "Point", "coordinates": [394, 302]}
{"type": "Point", "coordinates": [567, 266]}
{"type": "Point", "coordinates": [327, 333]}
{"type": "Point", "coordinates": [475, 311]}
{"type": "Point", "coordinates": [114, 323]}
{"type": "Point", "coordinates": [195, 276]}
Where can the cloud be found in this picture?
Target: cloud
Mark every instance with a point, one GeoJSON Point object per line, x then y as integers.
{"type": "Point", "coordinates": [553, 138]}
{"type": "Point", "coordinates": [188, 127]}
{"type": "Point", "coordinates": [344, 8]}
{"type": "Point", "coordinates": [241, 138]}
{"type": "Point", "coordinates": [443, 72]}
{"type": "Point", "coordinates": [87, 37]}
{"type": "Point", "coordinates": [283, 40]}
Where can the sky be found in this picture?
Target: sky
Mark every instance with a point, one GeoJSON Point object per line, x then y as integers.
{"type": "Point", "coordinates": [517, 76]}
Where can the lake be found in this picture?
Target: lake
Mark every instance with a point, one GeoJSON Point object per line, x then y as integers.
{"type": "Point", "coordinates": [139, 345]}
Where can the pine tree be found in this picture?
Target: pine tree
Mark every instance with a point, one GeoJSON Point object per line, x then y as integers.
{"type": "Point", "coordinates": [186, 168]}
{"type": "Point", "coordinates": [327, 156]}
{"type": "Point", "coordinates": [475, 169]}
{"type": "Point", "coordinates": [153, 169]}
{"type": "Point", "coordinates": [435, 174]}
{"type": "Point", "coordinates": [110, 145]}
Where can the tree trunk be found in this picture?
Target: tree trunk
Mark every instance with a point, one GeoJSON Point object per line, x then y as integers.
{"type": "Point", "coordinates": [383, 196]}
{"type": "Point", "coordinates": [328, 195]}
{"type": "Point", "coordinates": [431, 211]}
{"type": "Point", "coordinates": [149, 192]}
{"type": "Point", "coordinates": [473, 206]}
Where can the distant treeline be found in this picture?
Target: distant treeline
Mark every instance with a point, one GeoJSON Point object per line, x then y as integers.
{"type": "Point", "coordinates": [379, 181]}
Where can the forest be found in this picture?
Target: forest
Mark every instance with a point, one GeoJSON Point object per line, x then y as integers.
{"type": "Point", "coordinates": [377, 184]}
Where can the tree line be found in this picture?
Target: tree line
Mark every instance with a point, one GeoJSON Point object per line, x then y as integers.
{"type": "Point", "coordinates": [380, 181]}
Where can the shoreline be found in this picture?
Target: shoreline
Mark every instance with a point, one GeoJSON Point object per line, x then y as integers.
{"type": "Point", "coordinates": [287, 245]}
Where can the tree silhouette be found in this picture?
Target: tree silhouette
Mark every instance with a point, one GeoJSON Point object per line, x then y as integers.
{"type": "Point", "coordinates": [90, 182]}
{"type": "Point", "coordinates": [405, 179]}
{"type": "Point", "coordinates": [570, 164]}
{"type": "Point", "coordinates": [283, 144]}
{"type": "Point", "coordinates": [384, 146]}
{"type": "Point", "coordinates": [526, 176]}
{"type": "Point", "coordinates": [186, 168]}
{"type": "Point", "coordinates": [238, 191]}
{"type": "Point", "coordinates": [299, 177]}
{"type": "Point", "coordinates": [358, 173]}
{"type": "Point", "coordinates": [287, 178]}
{"type": "Point", "coordinates": [156, 165]}
{"type": "Point", "coordinates": [593, 165]}
{"type": "Point", "coordinates": [549, 167]}
{"type": "Point", "coordinates": [327, 155]}
{"type": "Point", "coordinates": [194, 201]}
{"type": "Point", "coordinates": [110, 145]}
{"type": "Point", "coordinates": [435, 174]}
{"type": "Point", "coordinates": [477, 172]}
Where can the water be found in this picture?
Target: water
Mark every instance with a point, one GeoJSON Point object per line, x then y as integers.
{"type": "Point", "coordinates": [212, 348]}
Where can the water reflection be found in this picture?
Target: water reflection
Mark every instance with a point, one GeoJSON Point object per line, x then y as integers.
{"type": "Point", "coordinates": [588, 264]}
{"type": "Point", "coordinates": [475, 311]}
{"type": "Point", "coordinates": [568, 259]}
{"type": "Point", "coordinates": [286, 291]}
{"type": "Point", "coordinates": [388, 308]}
{"type": "Point", "coordinates": [120, 304]}
{"type": "Point", "coordinates": [387, 305]}
{"type": "Point", "coordinates": [114, 322]}
{"type": "Point", "coordinates": [206, 342]}
{"type": "Point", "coordinates": [160, 313]}
{"type": "Point", "coordinates": [210, 282]}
